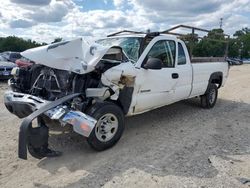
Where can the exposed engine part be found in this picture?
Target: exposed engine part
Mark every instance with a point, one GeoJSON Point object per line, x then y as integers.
{"type": "Point", "coordinates": [47, 79]}
{"type": "Point", "coordinates": [102, 93]}
{"type": "Point", "coordinates": [50, 84]}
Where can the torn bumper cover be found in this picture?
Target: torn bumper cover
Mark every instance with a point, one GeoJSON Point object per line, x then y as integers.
{"type": "Point", "coordinates": [24, 105]}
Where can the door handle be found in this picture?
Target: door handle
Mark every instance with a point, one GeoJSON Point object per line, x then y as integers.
{"type": "Point", "coordinates": [175, 75]}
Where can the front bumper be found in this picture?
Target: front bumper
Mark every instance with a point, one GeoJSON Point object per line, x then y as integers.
{"type": "Point", "coordinates": [31, 107]}
{"type": "Point", "coordinates": [22, 104]}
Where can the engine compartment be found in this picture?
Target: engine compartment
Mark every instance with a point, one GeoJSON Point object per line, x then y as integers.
{"type": "Point", "coordinates": [51, 84]}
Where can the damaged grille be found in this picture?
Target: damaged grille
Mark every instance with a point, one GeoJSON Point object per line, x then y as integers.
{"type": "Point", "coordinates": [50, 83]}
{"type": "Point", "coordinates": [47, 80]}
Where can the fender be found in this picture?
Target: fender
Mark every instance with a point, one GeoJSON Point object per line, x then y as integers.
{"type": "Point", "coordinates": [215, 77]}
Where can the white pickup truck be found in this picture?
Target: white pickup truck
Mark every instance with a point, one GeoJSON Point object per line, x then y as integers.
{"type": "Point", "coordinates": [92, 86]}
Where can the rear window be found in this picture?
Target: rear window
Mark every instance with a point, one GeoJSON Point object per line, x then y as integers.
{"type": "Point", "coordinates": [181, 55]}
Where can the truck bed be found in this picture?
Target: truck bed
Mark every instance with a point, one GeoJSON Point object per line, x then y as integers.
{"type": "Point", "coordinates": [202, 72]}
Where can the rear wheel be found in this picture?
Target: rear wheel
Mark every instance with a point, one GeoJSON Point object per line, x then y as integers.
{"type": "Point", "coordinates": [109, 127]}
{"type": "Point", "coordinates": [209, 99]}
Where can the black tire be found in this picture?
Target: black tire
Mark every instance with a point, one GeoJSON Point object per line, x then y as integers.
{"type": "Point", "coordinates": [208, 100]}
{"type": "Point", "coordinates": [97, 111]}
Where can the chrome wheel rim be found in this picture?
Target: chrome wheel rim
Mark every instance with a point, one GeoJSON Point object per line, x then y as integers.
{"type": "Point", "coordinates": [212, 96]}
{"type": "Point", "coordinates": [106, 127]}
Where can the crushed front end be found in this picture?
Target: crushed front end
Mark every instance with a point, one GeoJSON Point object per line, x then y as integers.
{"type": "Point", "coordinates": [36, 138]}
{"type": "Point", "coordinates": [59, 86]}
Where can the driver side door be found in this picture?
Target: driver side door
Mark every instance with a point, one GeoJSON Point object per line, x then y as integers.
{"type": "Point", "coordinates": [157, 87]}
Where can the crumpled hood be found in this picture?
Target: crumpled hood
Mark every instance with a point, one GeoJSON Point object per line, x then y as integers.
{"type": "Point", "coordinates": [77, 55]}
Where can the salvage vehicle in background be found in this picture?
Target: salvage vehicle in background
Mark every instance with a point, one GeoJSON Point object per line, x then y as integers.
{"type": "Point", "coordinates": [5, 68]}
{"type": "Point", "coordinates": [234, 61]}
{"type": "Point", "coordinates": [11, 56]}
{"type": "Point", "coordinates": [93, 86]}
{"type": "Point", "coordinates": [246, 61]}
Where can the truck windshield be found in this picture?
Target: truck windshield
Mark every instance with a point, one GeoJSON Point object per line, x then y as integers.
{"type": "Point", "coordinates": [130, 45]}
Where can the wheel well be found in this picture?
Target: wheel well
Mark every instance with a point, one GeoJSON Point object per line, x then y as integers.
{"type": "Point", "coordinates": [216, 78]}
{"type": "Point", "coordinates": [116, 102]}
{"type": "Point", "coordinates": [124, 99]}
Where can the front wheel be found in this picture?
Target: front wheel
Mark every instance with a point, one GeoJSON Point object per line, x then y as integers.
{"type": "Point", "coordinates": [209, 99]}
{"type": "Point", "coordinates": [109, 127]}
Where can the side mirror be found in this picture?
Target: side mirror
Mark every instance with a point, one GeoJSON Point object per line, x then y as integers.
{"type": "Point", "coordinates": [153, 63]}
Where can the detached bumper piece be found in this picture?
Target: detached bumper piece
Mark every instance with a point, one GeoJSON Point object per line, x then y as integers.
{"type": "Point", "coordinates": [36, 139]}
{"type": "Point", "coordinates": [37, 142]}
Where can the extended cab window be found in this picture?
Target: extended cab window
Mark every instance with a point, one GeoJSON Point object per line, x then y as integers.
{"type": "Point", "coordinates": [181, 55]}
{"type": "Point", "coordinates": [165, 51]}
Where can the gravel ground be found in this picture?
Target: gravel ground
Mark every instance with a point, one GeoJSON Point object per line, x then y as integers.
{"type": "Point", "coordinates": [180, 145]}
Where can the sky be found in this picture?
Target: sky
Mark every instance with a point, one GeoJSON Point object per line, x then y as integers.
{"type": "Point", "coordinates": [45, 20]}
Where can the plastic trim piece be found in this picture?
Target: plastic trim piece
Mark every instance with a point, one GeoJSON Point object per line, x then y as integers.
{"type": "Point", "coordinates": [27, 122]}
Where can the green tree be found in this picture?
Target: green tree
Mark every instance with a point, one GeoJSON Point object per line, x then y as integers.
{"type": "Point", "coordinates": [212, 45]}
{"type": "Point", "coordinates": [17, 44]}
{"type": "Point", "coordinates": [240, 45]}
{"type": "Point", "coordinates": [233, 48]}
